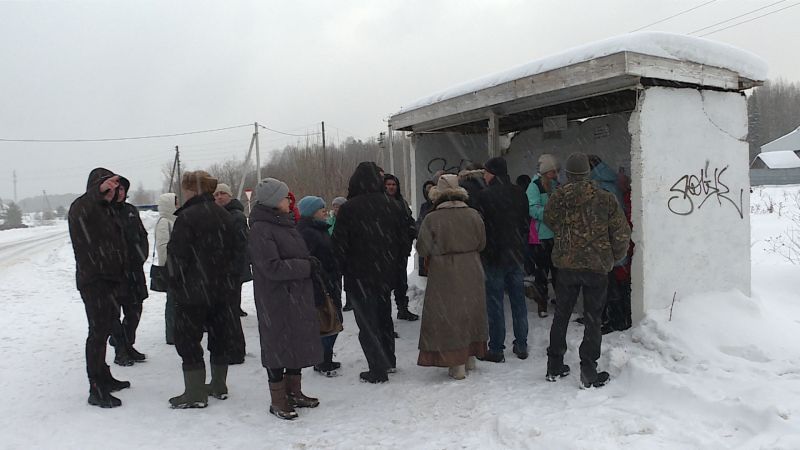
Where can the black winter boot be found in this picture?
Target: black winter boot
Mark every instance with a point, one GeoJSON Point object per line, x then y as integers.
{"type": "Point", "coordinates": [373, 377]}
{"type": "Point", "coordinates": [112, 383]}
{"type": "Point", "coordinates": [195, 394]}
{"type": "Point", "coordinates": [122, 357]}
{"type": "Point", "coordinates": [404, 314]}
{"type": "Point", "coordinates": [600, 380]}
{"type": "Point", "coordinates": [99, 395]}
{"type": "Point", "coordinates": [559, 371]}
{"type": "Point", "coordinates": [136, 355]}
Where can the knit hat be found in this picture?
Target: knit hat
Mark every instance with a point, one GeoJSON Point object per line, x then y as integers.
{"type": "Point", "coordinates": [577, 165]}
{"type": "Point", "coordinates": [310, 204]}
{"type": "Point", "coordinates": [338, 201]}
{"type": "Point", "coordinates": [497, 166]}
{"type": "Point", "coordinates": [199, 181]}
{"type": "Point", "coordinates": [222, 187]}
{"type": "Point", "coordinates": [547, 162]}
{"type": "Point", "coordinates": [270, 192]}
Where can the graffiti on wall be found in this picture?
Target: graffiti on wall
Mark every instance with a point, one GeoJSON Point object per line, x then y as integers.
{"type": "Point", "coordinates": [693, 191]}
{"type": "Point", "coordinates": [437, 164]}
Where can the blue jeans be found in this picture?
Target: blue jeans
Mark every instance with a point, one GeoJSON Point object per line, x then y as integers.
{"type": "Point", "coordinates": [500, 279]}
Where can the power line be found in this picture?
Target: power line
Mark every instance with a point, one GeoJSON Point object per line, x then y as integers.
{"type": "Point", "coordinates": [287, 134]}
{"type": "Point", "coordinates": [130, 138]}
{"type": "Point", "coordinates": [751, 19]}
{"type": "Point", "coordinates": [674, 16]}
{"type": "Point", "coordinates": [734, 18]}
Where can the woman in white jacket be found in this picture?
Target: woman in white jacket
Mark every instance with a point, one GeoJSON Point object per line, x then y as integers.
{"type": "Point", "coordinates": [167, 204]}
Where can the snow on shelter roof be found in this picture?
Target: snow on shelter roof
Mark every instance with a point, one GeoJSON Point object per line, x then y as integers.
{"type": "Point", "coordinates": [665, 45]}
{"type": "Point", "coordinates": [790, 142]}
{"type": "Point", "coordinates": [780, 159]}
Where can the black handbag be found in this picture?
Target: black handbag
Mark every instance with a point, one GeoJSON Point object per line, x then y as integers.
{"type": "Point", "coordinates": [158, 278]}
{"type": "Point", "coordinates": [158, 274]}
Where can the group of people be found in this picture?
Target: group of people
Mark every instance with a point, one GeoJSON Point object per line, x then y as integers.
{"type": "Point", "coordinates": [474, 236]}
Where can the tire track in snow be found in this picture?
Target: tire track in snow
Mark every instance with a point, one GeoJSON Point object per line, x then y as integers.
{"type": "Point", "coordinates": [14, 252]}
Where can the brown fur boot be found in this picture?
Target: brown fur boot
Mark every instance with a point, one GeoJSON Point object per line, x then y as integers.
{"type": "Point", "coordinates": [295, 394]}
{"type": "Point", "coordinates": [280, 406]}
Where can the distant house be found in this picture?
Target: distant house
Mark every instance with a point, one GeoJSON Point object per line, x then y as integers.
{"type": "Point", "coordinates": [783, 159]}
{"type": "Point", "coordinates": [778, 163]}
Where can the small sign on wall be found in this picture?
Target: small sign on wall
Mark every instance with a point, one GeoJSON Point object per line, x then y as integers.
{"type": "Point", "coordinates": [554, 123]}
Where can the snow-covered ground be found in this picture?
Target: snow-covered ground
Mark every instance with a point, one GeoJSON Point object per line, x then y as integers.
{"type": "Point", "coordinates": [723, 373]}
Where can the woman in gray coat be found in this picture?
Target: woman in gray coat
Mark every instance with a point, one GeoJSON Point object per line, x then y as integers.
{"type": "Point", "coordinates": [288, 322]}
{"type": "Point", "coordinates": [454, 325]}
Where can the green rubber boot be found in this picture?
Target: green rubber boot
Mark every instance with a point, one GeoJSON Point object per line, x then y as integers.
{"type": "Point", "coordinates": [195, 394]}
{"type": "Point", "coordinates": [218, 387]}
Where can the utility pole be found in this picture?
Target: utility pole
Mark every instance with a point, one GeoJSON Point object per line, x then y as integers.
{"type": "Point", "coordinates": [324, 163]}
{"type": "Point", "coordinates": [178, 163]}
{"type": "Point", "coordinates": [244, 167]}
{"type": "Point", "coordinates": [391, 150]}
{"type": "Point", "coordinates": [258, 155]}
{"type": "Point", "coordinates": [15, 186]}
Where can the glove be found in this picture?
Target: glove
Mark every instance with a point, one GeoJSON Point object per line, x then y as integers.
{"type": "Point", "coordinates": [316, 266]}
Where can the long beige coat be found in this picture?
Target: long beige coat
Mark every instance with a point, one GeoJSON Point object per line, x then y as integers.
{"type": "Point", "coordinates": [454, 321]}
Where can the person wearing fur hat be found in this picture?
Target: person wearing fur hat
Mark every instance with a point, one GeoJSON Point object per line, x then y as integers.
{"type": "Point", "coordinates": [591, 234]}
{"type": "Point", "coordinates": [335, 204]}
{"type": "Point", "coordinates": [202, 275]}
{"type": "Point", "coordinates": [505, 214]}
{"type": "Point", "coordinates": [471, 179]}
{"type": "Point", "coordinates": [454, 325]}
{"type": "Point", "coordinates": [288, 321]}
{"type": "Point", "coordinates": [223, 196]}
{"type": "Point", "coordinates": [131, 298]}
{"type": "Point", "coordinates": [541, 187]}
{"type": "Point", "coordinates": [314, 229]}
{"type": "Point", "coordinates": [370, 236]}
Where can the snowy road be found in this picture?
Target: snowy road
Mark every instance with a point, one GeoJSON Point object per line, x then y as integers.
{"type": "Point", "coordinates": [724, 373]}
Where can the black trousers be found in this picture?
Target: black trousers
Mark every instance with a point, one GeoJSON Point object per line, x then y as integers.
{"type": "Point", "coordinates": [124, 331]}
{"type": "Point", "coordinates": [373, 312]}
{"type": "Point", "coordinates": [236, 344]}
{"type": "Point", "coordinates": [618, 306]}
{"type": "Point", "coordinates": [568, 285]}
{"type": "Point", "coordinates": [190, 320]}
{"type": "Point", "coordinates": [401, 285]}
{"type": "Point", "coordinates": [543, 266]}
{"type": "Point", "coordinates": [102, 311]}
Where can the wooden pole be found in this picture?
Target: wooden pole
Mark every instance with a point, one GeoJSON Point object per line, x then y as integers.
{"type": "Point", "coordinates": [178, 161]}
{"type": "Point", "coordinates": [258, 154]}
{"type": "Point", "coordinates": [244, 167]}
{"type": "Point", "coordinates": [324, 163]}
{"type": "Point", "coordinates": [391, 149]}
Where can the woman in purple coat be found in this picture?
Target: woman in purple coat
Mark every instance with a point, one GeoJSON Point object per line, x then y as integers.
{"type": "Point", "coordinates": [288, 322]}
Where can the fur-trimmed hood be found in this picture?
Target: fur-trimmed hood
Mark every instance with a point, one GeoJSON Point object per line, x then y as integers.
{"type": "Point", "coordinates": [447, 189]}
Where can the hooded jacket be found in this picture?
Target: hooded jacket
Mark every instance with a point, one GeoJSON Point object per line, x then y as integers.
{"type": "Point", "coordinates": [411, 223]}
{"type": "Point", "coordinates": [537, 200]}
{"type": "Point", "coordinates": [201, 250]}
{"type": "Point", "coordinates": [606, 178]}
{"type": "Point", "coordinates": [97, 237]}
{"type": "Point", "coordinates": [591, 232]}
{"type": "Point", "coordinates": [472, 181]}
{"type": "Point", "coordinates": [371, 234]}
{"type": "Point", "coordinates": [241, 231]}
{"type": "Point", "coordinates": [164, 225]}
{"type": "Point", "coordinates": [138, 249]}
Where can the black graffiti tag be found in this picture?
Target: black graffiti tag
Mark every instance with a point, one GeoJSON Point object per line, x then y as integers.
{"type": "Point", "coordinates": [694, 188]}
{"type": "Point", "coordinates": [437, 164]}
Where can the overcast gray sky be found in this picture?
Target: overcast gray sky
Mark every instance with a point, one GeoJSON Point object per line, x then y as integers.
{"type": "Point", "coordinates": [110, 69]}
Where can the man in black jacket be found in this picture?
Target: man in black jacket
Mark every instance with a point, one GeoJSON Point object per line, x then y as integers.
{"type": "Point", "coordinates": [392, 185]}
{"type": "Point", "coordinates": [505, 213]}
{"type": "Point", "coordinates": [100, 259]}
{"type": "Point", "coordinates": [223, 196]}
{"type": "Point", "coordinates": [203, 275]}
{"type": "Point", "coordinates": [135, 286]}
{"type": "Point", "coordinates": [371, 230]}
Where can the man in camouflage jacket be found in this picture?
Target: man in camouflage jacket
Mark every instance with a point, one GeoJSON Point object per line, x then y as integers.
{"type": "Point", "coordinates": [591, 233]}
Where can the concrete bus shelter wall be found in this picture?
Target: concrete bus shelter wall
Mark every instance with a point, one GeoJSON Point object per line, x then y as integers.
{"type": "Point", "coordinates": [690, 195]}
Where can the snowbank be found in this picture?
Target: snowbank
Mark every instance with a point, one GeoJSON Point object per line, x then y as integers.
{"type": "Point", "coordinates": [665, 45]}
